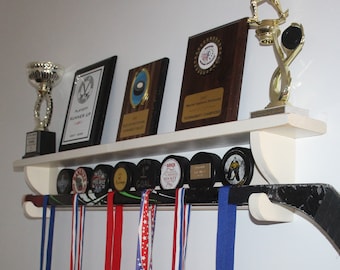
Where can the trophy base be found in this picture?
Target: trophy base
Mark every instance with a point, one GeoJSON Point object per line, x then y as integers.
{"type": "Point", "coordinates": [279, 110]}
{"type": "Point", "coordinates": [39, 142]}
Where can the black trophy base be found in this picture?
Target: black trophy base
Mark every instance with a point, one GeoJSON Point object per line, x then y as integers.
{"type": "Point", "coordinates": [39, 142]}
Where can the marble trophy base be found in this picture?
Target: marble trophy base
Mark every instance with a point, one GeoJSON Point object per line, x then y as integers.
{"type": "Point", "coordinates": [279, 110]}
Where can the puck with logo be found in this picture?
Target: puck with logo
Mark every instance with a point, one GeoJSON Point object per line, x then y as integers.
{"type": "Point", "coordinates": [148, 173]}
{"type": "Point", "coordinates": [174, 172]}
{"type": "Point", "coordinates": [238, 166]}
{"type": "Point", "coordinates": [81, 179]}
{"type": "Point", "coordinates": [123, 176]}
{"type": "Point", "coordinates": [100, 181]}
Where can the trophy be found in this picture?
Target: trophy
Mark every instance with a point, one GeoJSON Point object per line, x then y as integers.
{"type": "Point", "coordinates": [292, 40]}
{"type": "Point", "coordinates": [43, 76]}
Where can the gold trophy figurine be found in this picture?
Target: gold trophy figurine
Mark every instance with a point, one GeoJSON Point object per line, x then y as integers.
{"type": "Point", "coordinates": [292, 40]}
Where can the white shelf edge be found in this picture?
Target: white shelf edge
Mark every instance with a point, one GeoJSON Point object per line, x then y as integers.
{"type": "Point", "coordinates": [207, 137]}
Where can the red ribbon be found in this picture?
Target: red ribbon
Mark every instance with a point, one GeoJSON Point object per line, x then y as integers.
{"type": "Point", "coordinates": [114, 229]}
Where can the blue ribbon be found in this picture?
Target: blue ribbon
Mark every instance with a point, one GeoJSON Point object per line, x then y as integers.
{"type": "Point", "coordinates": [225, 231]}
{"type": "Point", "coordinates": [50, 235]}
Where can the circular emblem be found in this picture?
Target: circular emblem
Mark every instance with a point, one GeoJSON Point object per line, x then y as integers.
{"type": "Point", "coordinates": [208, 55]}
{"type": "Point", "coordinates": [238, 166]}
{"type": "Point", "coordinates": [80, 180]}
{"type": "Point", "coordinates": [170, 174]}
{"type": "Point", "coordinates": [120, 179]}
{"type": "Point", "coordinates": [139, 92]}
{"type": "Point", "coordinates": [85, 89]}
{"type": "Point", "coordinates": [124, 176]}
{"type": "Point", "coordinates": [99, 181]}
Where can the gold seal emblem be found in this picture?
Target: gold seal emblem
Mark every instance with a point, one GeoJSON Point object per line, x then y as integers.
{"type": "Point", "coordinates": [208, 55]}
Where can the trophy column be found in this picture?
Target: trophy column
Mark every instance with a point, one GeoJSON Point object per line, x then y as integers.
{"type": "Point", "coordinates": [292, 41]}
{"type": "Point", "coordinates": [43, 76]}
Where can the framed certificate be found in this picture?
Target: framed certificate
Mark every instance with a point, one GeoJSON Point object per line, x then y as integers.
{"type": "Point", "coordinates": [212, 78]}
{"type": "Point", "coordinates": [87, 105]}
{"type": "Point", "coordinates": [143, 100]}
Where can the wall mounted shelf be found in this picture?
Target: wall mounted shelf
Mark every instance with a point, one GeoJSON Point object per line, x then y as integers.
{"type": "Point", "coordinates": [272, 140]}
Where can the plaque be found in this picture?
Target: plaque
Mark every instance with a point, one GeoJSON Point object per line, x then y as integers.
{"type": "Point", "coordinates": [205, 170]}
{"type": "Point", "coordinates": [238, 166]}
{"type": "Point", "coordinates": [143, 100]}
{"type": "Point", "coordinates": [212, 76]}
{"type": "Point", "coordinates": [87, 106]}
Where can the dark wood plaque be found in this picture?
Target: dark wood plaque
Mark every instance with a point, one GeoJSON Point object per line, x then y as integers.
{"type": "Point", "coordinates": [143, 100]}
{"type": "Point", "coordinates": [212, 78]}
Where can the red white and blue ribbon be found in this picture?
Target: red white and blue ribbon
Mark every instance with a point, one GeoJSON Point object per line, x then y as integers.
{"type": "Point", "coordinates": [50, 235]}
{"type": "Point", "coordinates": [146, 229]}
{"type": "Point", "coordinates": [181, 227]}
{"type": "Point", "coordinates": [225, 231]}
{"type": "Point", "coordinates": [114, 229]}
{"type": "Point", "coordinates": [77, 236]}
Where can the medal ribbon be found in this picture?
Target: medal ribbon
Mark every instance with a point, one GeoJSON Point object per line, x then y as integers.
{"type": "Point", "coordinates": [225, 231]}
{"type": "Point", "coordinates": [77, 237]}
{"type": "Point", "coordinates": [50, 235]}
{"type": "Point", "coordinates": [114, 230]}
{"type": "Point", "coordinates": [146, 229]}
{"type": "Point", "coordinates": [181, 226]}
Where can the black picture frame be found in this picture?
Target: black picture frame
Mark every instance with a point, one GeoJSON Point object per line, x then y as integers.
{"type": "Point", "coordinates": [87, 105]}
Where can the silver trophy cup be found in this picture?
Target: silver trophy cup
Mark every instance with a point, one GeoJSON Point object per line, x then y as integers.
{"type": "Point", "coordinates": [43, 76]}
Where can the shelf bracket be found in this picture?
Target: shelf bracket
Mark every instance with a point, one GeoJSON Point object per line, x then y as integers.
{"type": "Point", "coordinates": [32, 211]}
{"type": "Point", "coordinates": [275, 159]}
{"type": "Point", "coordinates": [38, 179]}
{"type": "Point", "coordinates": [262, 209]}
{"type": "Point", "coordinates": [274, 156]}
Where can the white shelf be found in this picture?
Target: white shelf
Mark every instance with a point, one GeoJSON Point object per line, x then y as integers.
{"type": "Point", "coordinates": [226, 134]}
{"type": "Point", "coordinates": [271, 138]}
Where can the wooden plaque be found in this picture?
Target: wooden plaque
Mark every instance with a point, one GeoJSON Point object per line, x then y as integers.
{"type": "Point", "coordinates": [212, 76]}
{"type": "Point", "coordinates": [143, 100]}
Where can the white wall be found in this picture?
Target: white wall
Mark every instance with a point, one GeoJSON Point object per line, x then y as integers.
{"type": "Point", "coordinates": [78, 33]}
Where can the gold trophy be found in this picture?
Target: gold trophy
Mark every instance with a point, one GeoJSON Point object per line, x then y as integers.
{"type": "Point", "coordinates": [43, 76]}
{"type": "Point", "coordinates": [292, 40]}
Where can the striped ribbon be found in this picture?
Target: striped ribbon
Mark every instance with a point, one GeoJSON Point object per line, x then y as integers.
{"type": "Point", "coordinates": [146, 229]}
{"type": "Point", "coordinates": [181, 227]}
{"type": "Point", "coordinates": [77, 237]}
{"type": "Point", "coordinates": [114, 229]}
{"type": "Point", "coordinates": [50, 235]}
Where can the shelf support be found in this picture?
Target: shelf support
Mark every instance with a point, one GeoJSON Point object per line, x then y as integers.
{"type": "Point", "coordinates": [32, 211]}
{"type": "Point", "coordinates": [38, 179]}
{"type": "Point", "coordinates": [275, 159]}
{"type": "Point", "coordinates": [274, 156]}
